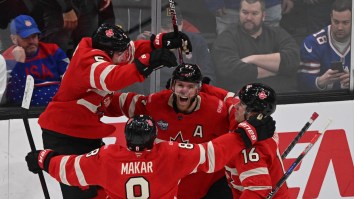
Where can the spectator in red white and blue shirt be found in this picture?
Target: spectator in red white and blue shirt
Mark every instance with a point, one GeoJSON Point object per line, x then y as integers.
{"type": "Point", "coordinates": [45, 62]}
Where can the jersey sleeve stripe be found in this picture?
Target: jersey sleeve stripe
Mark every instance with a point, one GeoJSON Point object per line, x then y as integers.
{"type": "Point", "coordinates": [103, 76]}
{"type": "Point", "coordinates": [254, 172]}
{"type": "Point", "coordinates": [79, 173]}
{"type": "Point", "coordinates": [62, 171]}
{"type": "Point", "coordinates": [92, 74]}
{"type": "Point", "coordinates": [132, 105]}
{"type": "Point", "coordinates": [202, 154]}
{"type": "Point", "coordinates": [88, 105]}
{"type": "Point", "coordinates": [258, 188]}
{"type": "Point", "coordinates": [211, 157]}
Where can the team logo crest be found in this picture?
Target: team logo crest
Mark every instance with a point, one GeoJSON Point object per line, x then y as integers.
{"type": "Point", "coordinates": [162, 124]}
{"type": "Point", "coordinates": [262, 95]}
{"type": "Point", "coordinates": [28, 23]}
{"type": "Point", "coordinates": [109, 33]}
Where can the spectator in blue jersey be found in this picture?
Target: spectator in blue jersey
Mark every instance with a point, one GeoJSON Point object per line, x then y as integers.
{"type": "Point", "coordinates": [227, 12]}
{"type": "Point", "coordinates": [325, 55]}
{"type": "Point", "coordinates": [45, 62]}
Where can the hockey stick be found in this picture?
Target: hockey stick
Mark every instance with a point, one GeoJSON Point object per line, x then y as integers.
{"type": "Point", "coordinates": [297, 161]}
{"type": "Point", "coordinates": [301, 133]}
{"type": "Point", "coordinates": [25, 105]}
{"type": "Point", "coordinates": [175, 27]}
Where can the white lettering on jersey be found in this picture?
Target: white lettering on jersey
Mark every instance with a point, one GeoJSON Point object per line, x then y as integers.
{"type": "Point", "coordinates": [309, 50]}
{"type": "Point", "coordinates": [198, 131]}
{"type": "Point", "coordinates": [136, 168]}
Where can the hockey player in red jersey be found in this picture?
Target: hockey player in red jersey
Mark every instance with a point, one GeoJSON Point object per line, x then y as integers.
{"type": "Point", "coordinates": [105, 63]}
{"type": "Point", "coordinates": [253, 172]}
{"type": "Point", "coordinates": [145, 169]}
{"type": "Point", "coordinates": [186, 115]}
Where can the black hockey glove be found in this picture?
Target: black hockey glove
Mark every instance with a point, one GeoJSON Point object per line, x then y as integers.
{"type": "Point", "coordinates": [206, 80]}
{"type": "Point", "coordinates": [171, 40]}
{"type": "Point", "coordinates": [39, 160]}
{"type": "Point", "coordinates": [253, 129]}
{"type": "Point", "coordinates": [158, 58]}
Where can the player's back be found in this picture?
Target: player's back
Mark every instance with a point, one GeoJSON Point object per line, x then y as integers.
{"type": "Point", "coordinates": [257, 166]}
{"type": "Point", "coordinates": [150, 174]}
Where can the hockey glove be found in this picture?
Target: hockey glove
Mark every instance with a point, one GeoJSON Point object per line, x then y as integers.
{"type": "Point", "coordinates": [253, 129]}
{"type": "Point", "coordinates": [158, 58]}
{"type": "Point", "coordinates": [171, 40]}
{"type": "Point", "coordinates": [39, 160]}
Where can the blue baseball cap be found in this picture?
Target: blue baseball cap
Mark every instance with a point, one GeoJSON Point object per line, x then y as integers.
{"type": "Point", "coordinates": [24, 26]}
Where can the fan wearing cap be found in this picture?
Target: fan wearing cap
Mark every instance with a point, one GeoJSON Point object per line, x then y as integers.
{"type": "Point", "coordinates": [28, 56]}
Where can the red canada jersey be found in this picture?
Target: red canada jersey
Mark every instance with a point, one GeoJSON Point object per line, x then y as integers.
{"type": "Point", "coordinates": [86, 90]}
{"type": "Point", "coordinates": [209, 120]}
{"type": "Point", "coordinates": [151, 174]}
{"type": "Point", "coordinates": [253, 172]}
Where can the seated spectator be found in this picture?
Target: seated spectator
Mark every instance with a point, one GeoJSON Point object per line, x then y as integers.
{"type": "Point", "coordinates": [327, 49]}
{"type": "Point", "coordinates": [45, 62]}
{"type": "Point", "coordinates": [3, 77]}
{"type": "Point", "coordinates": [227, 12]}
{"type": "Point", "coordinates": [254, 52]}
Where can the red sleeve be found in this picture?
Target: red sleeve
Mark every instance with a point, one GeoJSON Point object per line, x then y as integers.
{"type": "Point", "coordinates": [128, 104]}
{"type": "Point", "coordinates": [142, 47]}
{"type": "Point", "coordinates": [79, 170]}
{"type": "Point", "coordinates": [212, 155]}
{"type": "Point", "coordinates": [108, 77]}
{"type": "Point", "coordinates": [216, 91]}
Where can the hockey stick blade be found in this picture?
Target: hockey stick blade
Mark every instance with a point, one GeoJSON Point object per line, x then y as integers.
{"type": "Point", "coordinates": [26, 101]}
{"type": "Point", "coordinates": [297, 161]}
{"type": "Point", "coordinates": [314, 116]}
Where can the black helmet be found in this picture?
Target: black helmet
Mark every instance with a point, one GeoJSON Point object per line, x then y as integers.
{"type": "Point", "coordinates": [258, 98]}
{"type": "Point", "coordinates": [140, 133]}
{"type": "Point", "coordinates": [187, 73]}
{"type": "Point", "coordinates": [110, 38]}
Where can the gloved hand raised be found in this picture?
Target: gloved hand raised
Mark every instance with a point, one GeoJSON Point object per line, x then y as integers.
{"type": "Point", "coordinates": [253, 129]}
{"type": "Point", "coordinates": [171, 40]}
{"type": "Point", "coordinates": [158, 58]}
{"type": "Point", "coordinates": [39, 160]}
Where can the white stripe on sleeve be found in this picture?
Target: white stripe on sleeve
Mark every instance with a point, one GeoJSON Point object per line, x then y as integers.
{"type": "Point", "coordinates": [79, 173]}
{"type": "Point", "coordinates": [211, 157]}
{"type": "Point", "coordinates": [62, 171]}
{"type": "Point", "coordinates": [103, 76]}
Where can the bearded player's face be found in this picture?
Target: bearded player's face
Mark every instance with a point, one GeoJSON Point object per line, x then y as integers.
{"type": "Point", "coordinates": [185, 93]}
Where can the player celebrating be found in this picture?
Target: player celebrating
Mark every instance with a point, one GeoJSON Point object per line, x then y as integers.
{"type": "Point", "coordinates": [186, 115]}
{"type": "Point", "coordinates": [107, 62]}
{"type": "Point", "coordinates": [137, 172]}
{"type": "Point", "coordinates": [254, 171]}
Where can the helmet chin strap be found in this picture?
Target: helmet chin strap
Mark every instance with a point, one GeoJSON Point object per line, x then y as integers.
{"type": "Point", "coordinates": [249, 113]}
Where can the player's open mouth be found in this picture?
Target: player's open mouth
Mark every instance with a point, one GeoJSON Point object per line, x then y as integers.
{"type": "Point", "coordinates": [183, 99]}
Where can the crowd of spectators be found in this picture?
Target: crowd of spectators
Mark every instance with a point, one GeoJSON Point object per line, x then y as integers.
{"type": "Point", "coordinates": [64, 23]}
